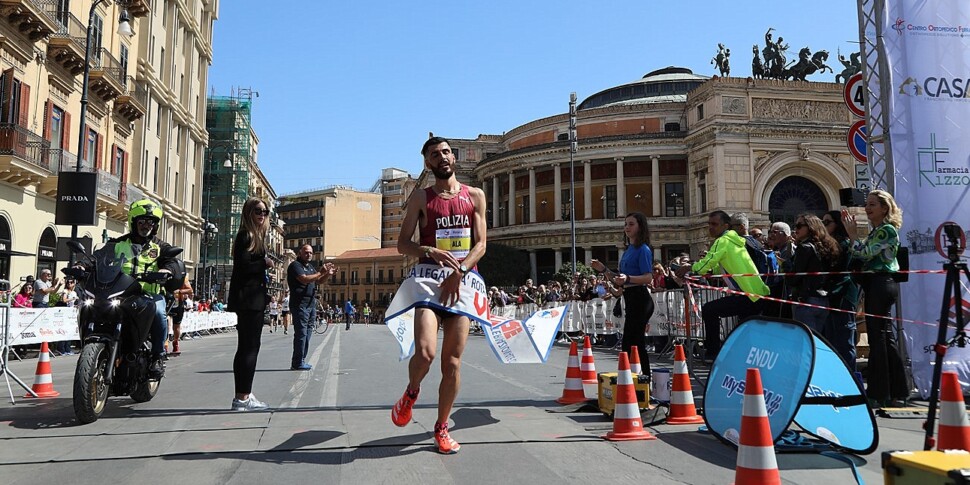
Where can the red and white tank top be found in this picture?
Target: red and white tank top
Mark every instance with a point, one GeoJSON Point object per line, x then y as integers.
{"type": "Point", "coordinates": [449, 225]}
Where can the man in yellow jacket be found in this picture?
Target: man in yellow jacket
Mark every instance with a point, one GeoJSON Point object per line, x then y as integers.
{"type": "Point", "coordinates": [728, 251]}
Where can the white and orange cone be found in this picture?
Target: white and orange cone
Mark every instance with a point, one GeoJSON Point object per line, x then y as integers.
{"type": "Point", "coordinates": [756, 452]}
{"type": "Point", "coordinates": [587, 369]}
{"type": "Point", "coordinates": [954, 431]}
{"type": "Point", "coordinates": [572, 391]}
{"type": "Point", "coordinates": [627, 425]}
{"type": "Point", "coordinates": [682, 410]}
{"type": "Point", "coordinates": [635, 367]}
{"type": "Point", "coordinates": [43, 379]}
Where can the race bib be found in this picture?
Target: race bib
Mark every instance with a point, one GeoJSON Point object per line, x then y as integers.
{"type": "Point", "coordinates": [457, 241]}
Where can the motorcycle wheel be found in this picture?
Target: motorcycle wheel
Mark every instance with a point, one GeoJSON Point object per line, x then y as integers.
{"type": "Point", "coordinates": [145, 391]}
{"type": "Point", "coordinates": [90, 389]}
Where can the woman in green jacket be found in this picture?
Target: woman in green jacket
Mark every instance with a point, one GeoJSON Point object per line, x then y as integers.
{"type": "Point", "coordinates": [887, 374]}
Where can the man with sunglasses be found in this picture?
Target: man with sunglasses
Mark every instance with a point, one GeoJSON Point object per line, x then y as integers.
{"type": "Point", "coordinates": [142, 251]}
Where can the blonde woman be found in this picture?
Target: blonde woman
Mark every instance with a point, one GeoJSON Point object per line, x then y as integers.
{"type": "Point", "coordinates": [248, 299]}
{"type": "Point", "coordinates": [877, 252]}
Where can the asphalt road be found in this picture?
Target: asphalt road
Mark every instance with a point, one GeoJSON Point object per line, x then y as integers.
{"type": "Point", "coordinates": [331, 425]}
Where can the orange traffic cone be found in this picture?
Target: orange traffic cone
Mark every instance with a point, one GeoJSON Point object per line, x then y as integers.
{"type": "Point", "coordinates": [954, 427]}
{"type": "Point", "coordinates": [756, 452]}
{"type": "Point", "coordinates": [43, 379]}
{"type": "Point", "coordinates": [682, 410]}
{"type": "Point", "coordinates": [635, 367]}
{"type": "Point", "coordinates": [627, 425]}
{"type": "Point", "coordinates": [588, 370]}
{"type": "Point", "coordinates": [572, 390]}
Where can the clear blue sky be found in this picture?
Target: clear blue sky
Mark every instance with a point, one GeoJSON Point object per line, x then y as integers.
{"type": "Point", "coordinates": [348, 88]}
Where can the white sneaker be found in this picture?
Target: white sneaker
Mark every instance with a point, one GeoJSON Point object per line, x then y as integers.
{"type": "Point", "coordinates": [251, 404]}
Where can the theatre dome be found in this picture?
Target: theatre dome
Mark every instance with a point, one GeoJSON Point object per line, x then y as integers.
{"type": "Point", "coordinates": [670, 84]}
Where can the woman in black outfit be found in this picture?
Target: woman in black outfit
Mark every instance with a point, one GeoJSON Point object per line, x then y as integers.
{"type": "Point", "coordinates": [248, 298]}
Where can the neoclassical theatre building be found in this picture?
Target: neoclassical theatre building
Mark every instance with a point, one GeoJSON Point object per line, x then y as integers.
{"type": "Point", "coordinates": [673, 145]}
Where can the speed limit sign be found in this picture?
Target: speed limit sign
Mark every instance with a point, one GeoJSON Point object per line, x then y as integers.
{"type": "Point", "coordinates": [854, 95]}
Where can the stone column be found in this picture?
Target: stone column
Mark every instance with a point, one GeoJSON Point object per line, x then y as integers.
{"type": "Point", "coordinates": [533, 271]}
{"type": "Point", "coordinates": [587, 190]}
{"type": "Point", "coordinates": [495, 201]}
{"type": "Point", "coordinates": [620, 188]}
{"type": "Point", "coordinates": [557, 196]}
{"type": "Point", "coordinates": [511, 208]}
{"type": "Point", "coordinates": [558, 258]}
{"type": "Point", "coordinates": [655, 182]}
{"type": "Point", "coordinates": [532, 199]}
{"type": "Point", "coordinates": [588, 256]}
{"type": "Point", "coordinates": [619, 255]}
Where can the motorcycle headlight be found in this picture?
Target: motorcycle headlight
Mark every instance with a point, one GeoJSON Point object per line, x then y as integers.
{"type": "Point", "coordinates": [115, 303]}
{"type": "Point", "coordinates": [89, 302]}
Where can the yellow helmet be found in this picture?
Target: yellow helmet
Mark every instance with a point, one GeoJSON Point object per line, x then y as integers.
{"type": "Point", "coordinates": [144, 208]}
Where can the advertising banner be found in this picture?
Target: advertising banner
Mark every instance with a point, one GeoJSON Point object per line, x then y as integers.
{"type": "Point", "coordinates": [804, 381]}
{"type": "Point", "coordinates": [928, 50]}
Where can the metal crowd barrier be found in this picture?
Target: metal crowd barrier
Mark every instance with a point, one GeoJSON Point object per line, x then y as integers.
{"type": "Point", "coordinates": [673, 317]}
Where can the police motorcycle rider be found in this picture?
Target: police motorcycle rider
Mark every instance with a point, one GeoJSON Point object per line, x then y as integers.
{"type": "Point", "coordinates": [141, 251]}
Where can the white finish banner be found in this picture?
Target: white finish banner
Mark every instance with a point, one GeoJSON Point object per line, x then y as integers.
{"type": "Point", "coordinates": [420, 288]}
{"type": "Point", "coordinates": [928, 50]}
{"type": "Point", "coordinates": [528, 342]}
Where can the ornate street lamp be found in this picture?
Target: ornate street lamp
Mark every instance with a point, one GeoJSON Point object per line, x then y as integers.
{"type": "Point", "coordinates": [209, 233]}
{"type": "Point", "coordinates": [573, 148]}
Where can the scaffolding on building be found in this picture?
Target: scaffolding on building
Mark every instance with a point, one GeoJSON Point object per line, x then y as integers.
{"type": "Point", "coordinates": [227, 160]}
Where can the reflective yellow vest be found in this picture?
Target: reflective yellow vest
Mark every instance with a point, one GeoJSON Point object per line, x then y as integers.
{"type": "Point", "coordinates": [145, 261]}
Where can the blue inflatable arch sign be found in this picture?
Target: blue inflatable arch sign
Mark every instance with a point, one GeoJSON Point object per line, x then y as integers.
{"type": "Point", "coordinates": [805, 382]}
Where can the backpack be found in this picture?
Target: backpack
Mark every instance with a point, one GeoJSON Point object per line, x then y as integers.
{"type": "Point", "coordinates": [765, 262]}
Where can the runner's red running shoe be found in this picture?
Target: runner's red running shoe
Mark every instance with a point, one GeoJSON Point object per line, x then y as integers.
{"type": "Point", "coordinates": [401, 412]}
{"type": "Point", "coordinates": [446, 445]}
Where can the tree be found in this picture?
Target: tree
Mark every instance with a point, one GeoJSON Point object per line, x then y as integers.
{"type": "Point", "coordinates": [565, 273]}
{"type": "Point", "coordinates": [504, 265]}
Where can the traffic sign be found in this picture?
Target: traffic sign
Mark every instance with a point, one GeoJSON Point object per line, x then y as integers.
{"type": "Point", "coordinates": [857, 141]}
{"type": "Point", "coordinates": [854, 95]}
{"type": "Point", "coordinates": [861, 172]}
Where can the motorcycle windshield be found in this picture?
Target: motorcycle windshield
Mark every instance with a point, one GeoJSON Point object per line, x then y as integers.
{"type": "Point", "coordinates": [108, 265]}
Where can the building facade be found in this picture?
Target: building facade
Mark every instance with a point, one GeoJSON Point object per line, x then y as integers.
{"type": "Point", "coordinates": [332, 220]}
{"type": "Point", "coordinates": [368, 276]}
{"type": "Point", "coordinates": [42, 63]}
{"type": "Point", "coordinates": [395, 187]}
{"type": "Point", "coordinates": [672, 145]}
{"type": "Point", "coordinates": [229, 179]}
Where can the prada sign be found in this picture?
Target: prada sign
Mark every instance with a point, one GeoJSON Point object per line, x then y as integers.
{"type": "Point", "coordinates": [77, 196]}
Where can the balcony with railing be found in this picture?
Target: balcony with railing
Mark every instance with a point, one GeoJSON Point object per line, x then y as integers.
{"type": "Point", "coordinates": [66, 45]}
{"type": "Point", "coordinates": [303, 234]}
{"type": "Point", "coordinates": [304, 220]}
{"type": "Point", "coordinates": [24, 156]}
{"type": "Point", "coordinates": [109, 186]}
{"type": "Point", "coordinates": [112, 195]}
{"type": "Point", "coordinates": [107, 79]}
{"type": "Point", "coordinates": [60, 161]}
{"type": "Point", "coordinates": [33, 18]}
{"type": "Point", "coordinates": [132, 103]}
{"type": "Point", "coordinates": [139, 8]}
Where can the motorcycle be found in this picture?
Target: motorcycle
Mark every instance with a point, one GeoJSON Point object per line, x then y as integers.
{"type": "Point", "coordinates": [115, 317]}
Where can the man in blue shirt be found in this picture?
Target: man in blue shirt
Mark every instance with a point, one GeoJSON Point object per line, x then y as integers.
{"type": "Point", "coordinates": [349, 312]}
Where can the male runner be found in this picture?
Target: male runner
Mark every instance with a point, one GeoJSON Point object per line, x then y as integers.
{"type": "Point", "coordinates": [450, 218]}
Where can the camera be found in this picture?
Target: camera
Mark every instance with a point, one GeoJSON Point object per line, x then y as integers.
{"type": "Point", "coordinates": [953, 231]}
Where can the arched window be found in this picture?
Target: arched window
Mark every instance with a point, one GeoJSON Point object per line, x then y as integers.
{"type": "Point", "coordinates": [47, 251]}
{"type": "Point", "coordinates": [795, 195]}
